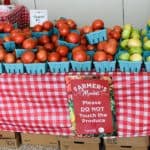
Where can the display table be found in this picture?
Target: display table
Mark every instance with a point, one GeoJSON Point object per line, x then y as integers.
{"type": "Point", "coordinates": [19, 15]}
{"type": "Point", "coordinates": [38, 103]}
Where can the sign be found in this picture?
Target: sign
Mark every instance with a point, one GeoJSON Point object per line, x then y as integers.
{"type": "Point", "coordinates": [38, 17]}
{"type": "Point", "coordinates": [91, 100]}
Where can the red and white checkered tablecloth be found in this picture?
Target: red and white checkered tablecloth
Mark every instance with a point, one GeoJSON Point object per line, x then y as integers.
{"type": "Point", "coordinates": [38, 103]}
{"type": "Point", "coordinates": [34, 103]}
{"type": "Point", "coordinates": [132, 98]}
{"type": "Point", "coordinates": [19, 15]}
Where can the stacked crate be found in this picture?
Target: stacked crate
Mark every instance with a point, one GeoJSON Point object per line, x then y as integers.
{"type": "Point", "coordinates": [9, 139]}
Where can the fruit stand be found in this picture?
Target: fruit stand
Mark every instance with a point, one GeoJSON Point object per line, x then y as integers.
{"type": "Point", "coordinates": [35, 63]}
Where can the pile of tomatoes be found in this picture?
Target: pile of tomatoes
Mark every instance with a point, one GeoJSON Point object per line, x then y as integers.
{"type": "Point", "coordinates": [48, 48]}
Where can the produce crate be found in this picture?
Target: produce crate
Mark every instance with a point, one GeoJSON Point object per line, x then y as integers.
{"type": "Point", "coordinates": [2, 35]}
{"type": "Point", "coordinates": [1, 68]}
{"type": "Point", "coordinates": [42, 139]}
{"type": "Point", "coordinates": [14, 68]}
{"type": "Point", "coordinates": [19, 52]}
{"type": "Point", "coordinates": [59, 67]}
{"type": "Point", "coordinates": [39, 34]}
{"type": "Point", "coordinates": [69, 45]}
{"type": "Point", "coordinates": [130, 66]}
{"type": "Point", "coordinates": [8, 135]}
{"type": "Point", "coordinates": [128, 143]}
{"type": "Point", "coordinates": [9, 46]}
{"type": "Point", "coordinates": [36, 68]}
{"type": "Point", "coordinates": [105, 66]}
{"type": "Point", "coordinates": [97, 36]}
{"type": "Point", "coordinates": [12, 143]}
{"type": "Point", "coordinates": [146, 63]}
{"type": "Point", "coordinates": [75, 143]}
{"type": "Point", "coordinates": [82, 66]}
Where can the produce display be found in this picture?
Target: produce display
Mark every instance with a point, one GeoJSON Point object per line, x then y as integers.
{"type": "Point", "coordinates": [62, 46]}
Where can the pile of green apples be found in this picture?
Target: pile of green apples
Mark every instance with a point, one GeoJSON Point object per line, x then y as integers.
{"type": "Point", "coordinates": [131, 44]}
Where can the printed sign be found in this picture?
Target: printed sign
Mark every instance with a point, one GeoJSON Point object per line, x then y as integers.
{"type": "Point", "coordinates": [91, 100]}
{"type": "Point", "coordinates": [38, 17]}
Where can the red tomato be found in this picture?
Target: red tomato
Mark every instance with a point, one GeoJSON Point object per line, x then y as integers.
{"type": "Point", "coordinates": [110, 49]}
{"type": "Point", "coordinates": [29, 43]}
{"type": "Point", "coordinates": [37, 28]}
{"type": "Point", "coordinates": [101, 45]}
{"type": "Point", "coordinates": [47, 25]}
{"type": "Point", "coordinates": [19, 38]}
{"type": "Point", "coordinates": [71, 23]}
{"type": "Point", "coordinates": [79, 56]}
{"type": "Point", "coordinates": [73, 37]}
{"type": "Point", "coordinates": [62, 50]}
{"type": "Point", "coordinates": [87, 29]}
{"type": "Point", "coordinates": [41, 55]}
{"type": "Point", "coordinates": [54, 38]}
{"type": "Point", "coordinates": [44, 39]}
{"type": "Point", "coordinates": [100, 56]}
{"type": "Point", "coordinates": [113, 42]}
{"type": "Point", "coordinates": [78, 48]}
{"type": "Point", "coordinates": [1, 26]}
{"type": "Point", "coordinates": [109, 57]}
{"type": "Point", "coordinates": [64, 59]}
{"type": "Point", "coordinates": [27, 32]}
{"type": "Point", "coordinates": [8, 27]}
{"type": "Point", "coordinates": [90, 47]}
{"type": "Point", "coordinates": [97, 24]}
{"type": "Point", "coordinates": [2, 54]}
{"type": "Point", "coordinates": [14, 32]}
{"type": "Point", "coordinates": [28, 57]}
{"type": "Point", "coordinates": [49, 46]}
{"type": "Point", "coordinates": [9, 58]}
{"type": "Point", "coordinates": [1, 42]}
{"type": "Point", "coordinates": [117, 28]}
{"type": "Point", "coordinates": [83, 40]}
{"type": "Point", "coordinates": [7, 39]}
{"type": "Point", "coordinates": [116, 35]}
{"type": "Point", "coordinates": [64, 30]}
{"type": "Point", "coordinates": [54, 57]}
{"type": "Point", "coordinates": [60, 22]}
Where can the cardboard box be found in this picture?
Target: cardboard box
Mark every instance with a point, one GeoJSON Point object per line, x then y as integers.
{"type": "Point", "coordinates": [125, 148]}
{"type": "Point", "coordinates": [7, 134]}
{"type": "Point", "coordinates": [130, 143]}
{"type": "Point", "coordinates": [39, 139]}
{"type": "Point", "coordinates": [11, 143]}
{"type": "Point", "coordinates": [74, 143]}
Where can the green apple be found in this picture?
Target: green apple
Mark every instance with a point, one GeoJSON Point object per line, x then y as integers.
{"type": "Point", "coordinates": [127, 27]}
{"type": "Point", "coordinates": [148, 58]}
{"type": "Point", "coordinates": [124, 44]}
{"type": "Point", "coordinates": [135, 57]}
{"type": "Point", "coordinates": [135, 35]}
{"type": "Point", "coordinates": [147, 45]}
{"type": "Point", "coordinates": [143, 32]}
{"type": "Point", "coordinates": [134, 43]}
{"type": "Point", "coordinates": [135, 50]}
{"type": "Point", "coordinates": [145, 38]}
{"type": "Point", "coordinates": [125, 34]}
{"type": "Point", "coordinates": [124, 56]}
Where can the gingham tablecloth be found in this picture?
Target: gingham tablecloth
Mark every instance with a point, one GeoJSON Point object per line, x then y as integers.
{"type": "Point", "coordinates": [38, 103]}
{"type": "Point", "coordinates": [34, 103]}
{"type": "Point", "coordinates": [19, 15]}
{"type": "Point", "coordinates": [132, 98]}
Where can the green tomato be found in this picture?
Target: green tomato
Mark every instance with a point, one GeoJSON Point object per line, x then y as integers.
{"type": "Point", "coordinates": [135, 50]}
{"type": "Point", "coordinates": [147, 45]}
{"type": "Point", "coordinates": [148, 58]}
{"type": "Point", "coordinates": [124, 56]}
{"type": "Point", "coordinates": [135, 57]}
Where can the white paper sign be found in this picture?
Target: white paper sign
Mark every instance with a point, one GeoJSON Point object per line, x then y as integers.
{"type": "Point", "coordinates": [38, 17]}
